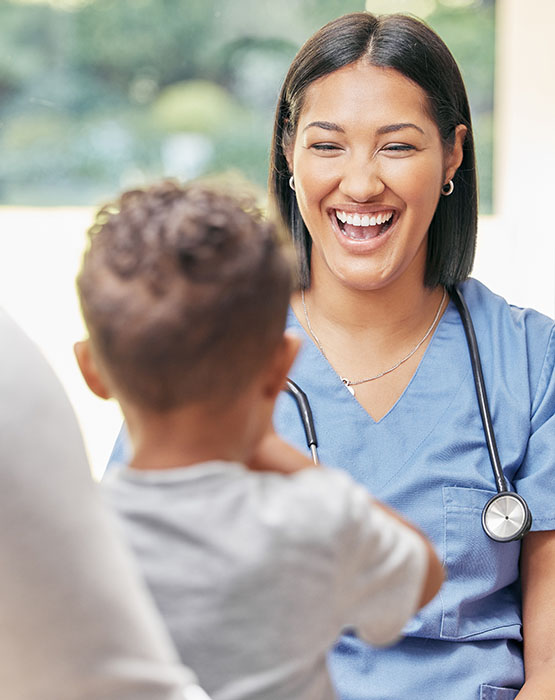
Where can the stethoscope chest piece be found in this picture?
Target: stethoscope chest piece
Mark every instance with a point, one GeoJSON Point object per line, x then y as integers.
{"type": "Point", "coordinates": [506, 517]}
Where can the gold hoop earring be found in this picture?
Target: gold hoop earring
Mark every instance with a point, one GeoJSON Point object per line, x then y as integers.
{"type": "Point", "coordinates": [448, 188]}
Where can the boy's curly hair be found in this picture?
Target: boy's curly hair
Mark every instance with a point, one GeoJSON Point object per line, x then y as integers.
{"type": "Point", "coordinates": [184, 290]}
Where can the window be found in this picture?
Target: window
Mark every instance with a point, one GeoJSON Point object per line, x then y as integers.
{"type": "Point", "coordinates": [100, 95]}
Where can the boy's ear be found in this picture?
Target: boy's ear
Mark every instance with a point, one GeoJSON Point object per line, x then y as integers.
{"type": "Point", "coordinates": [281, 363]}
{"type": "Point", "coordinates": [89, 370]}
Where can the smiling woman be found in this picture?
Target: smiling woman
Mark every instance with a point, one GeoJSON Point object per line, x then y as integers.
{"type": "Point", "coordinates": [373, 170]}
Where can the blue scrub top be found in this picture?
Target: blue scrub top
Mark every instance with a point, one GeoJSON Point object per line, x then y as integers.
{"type": "Point", "coordinates": [427, 458]}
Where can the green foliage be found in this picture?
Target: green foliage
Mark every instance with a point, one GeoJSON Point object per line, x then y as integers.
{"type": "Point", "coordinates": [169, 39]}
{"type": "Point", "coordinates": [470, 35]}
{"type": "Point", "coordinates": [194, 105]}
{"type": "Point", "coordinates": [23, 46]}
{"type": "Point", "coordinates": [91, 98]}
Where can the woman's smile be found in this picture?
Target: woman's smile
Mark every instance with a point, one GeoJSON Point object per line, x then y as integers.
{"type": "Point", "coordinates": [362, 230]}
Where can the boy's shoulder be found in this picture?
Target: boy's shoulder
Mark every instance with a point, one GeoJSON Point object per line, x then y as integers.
{"type": "Point", "coordinates": [312, 505]}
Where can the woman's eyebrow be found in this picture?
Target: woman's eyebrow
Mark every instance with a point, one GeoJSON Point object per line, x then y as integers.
{"type": "Point", "coordinates": [329, 126]}
{"type": "Point", "coordinates": [389, 128]}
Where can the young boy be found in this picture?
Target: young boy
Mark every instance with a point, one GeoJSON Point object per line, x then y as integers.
{"type": "Point", "coordinates": [256, 573]}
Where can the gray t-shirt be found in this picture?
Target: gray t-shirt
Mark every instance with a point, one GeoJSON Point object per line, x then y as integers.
{"type": "Point", "coordinates": [257, 573]}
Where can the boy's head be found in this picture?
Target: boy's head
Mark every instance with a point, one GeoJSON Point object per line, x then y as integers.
{"type": "Point", "coordinates": [184, 291]}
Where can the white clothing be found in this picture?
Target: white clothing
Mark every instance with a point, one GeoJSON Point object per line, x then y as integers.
{"type": "Point", "coordinates": [76, 623]}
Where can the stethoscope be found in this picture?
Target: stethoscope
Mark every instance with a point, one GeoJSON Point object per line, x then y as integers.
{"type": "Point", "coordinates": [506, 516]}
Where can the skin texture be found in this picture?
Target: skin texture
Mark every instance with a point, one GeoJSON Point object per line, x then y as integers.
{"type": "Point", "coordinates": [366, 144]}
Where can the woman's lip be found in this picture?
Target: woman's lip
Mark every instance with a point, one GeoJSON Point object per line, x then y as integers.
{"type": "Point", "coordinates": [361, 246]}
{"type": "Point", "coordinates": [362, 209]}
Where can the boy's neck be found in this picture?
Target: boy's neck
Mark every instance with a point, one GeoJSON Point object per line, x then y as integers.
{"type": "Point", "coordinates": [189, 435]}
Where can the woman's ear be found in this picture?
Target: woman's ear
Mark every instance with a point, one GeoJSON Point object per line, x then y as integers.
{"type": "Point", "coordinates": [289, 157]}
{"type": "Point", "coordinates": [89, 369]}
{"type": "Point", "coordinates": [455, 155]}
{"type": "Point", "coordinates": [287, 146]}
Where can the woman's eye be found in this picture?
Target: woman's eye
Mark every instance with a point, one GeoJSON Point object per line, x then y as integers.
{"type": "Point", "coordinates": [399, 147]}
{"type": "Point", "coordinates": [324, 147]}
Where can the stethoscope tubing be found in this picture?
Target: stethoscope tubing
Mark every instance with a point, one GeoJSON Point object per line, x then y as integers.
{"type": "Point", "coordinates": [480, 385]}
{"type": "Point", "coordinates": [306, 416]}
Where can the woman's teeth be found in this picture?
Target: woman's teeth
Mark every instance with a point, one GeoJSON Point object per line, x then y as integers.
{"type": "Point", "coordinates": [365, 219]}
{"type": "Point", "coordinates": [363, 227]}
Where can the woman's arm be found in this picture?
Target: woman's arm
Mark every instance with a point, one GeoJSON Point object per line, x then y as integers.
{"type": "Point", "coordinates": [538, 612]}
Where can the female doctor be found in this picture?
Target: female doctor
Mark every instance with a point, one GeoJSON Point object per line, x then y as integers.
{"type": "Point", "coordinates": [373, 169]}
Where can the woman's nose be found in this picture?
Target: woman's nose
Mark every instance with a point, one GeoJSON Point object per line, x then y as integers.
{"type": "Point", "coordinates": [361, 180]}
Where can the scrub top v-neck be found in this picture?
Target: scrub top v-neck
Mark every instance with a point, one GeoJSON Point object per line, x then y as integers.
{"type": "Point", "coordinates": [427, 458]}
{"type": "Point", "coordinates": [353, 423]}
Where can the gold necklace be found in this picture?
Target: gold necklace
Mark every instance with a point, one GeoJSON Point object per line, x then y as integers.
{"type": "Point", "coordinates": [350, 383]}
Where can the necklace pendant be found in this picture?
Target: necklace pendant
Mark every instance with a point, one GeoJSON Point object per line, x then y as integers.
{"type": "Point", "coordinates": [348, 385]}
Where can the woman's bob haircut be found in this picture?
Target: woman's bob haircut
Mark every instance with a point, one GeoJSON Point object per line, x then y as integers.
{"type": "Point", "coordinates": [409, 46]}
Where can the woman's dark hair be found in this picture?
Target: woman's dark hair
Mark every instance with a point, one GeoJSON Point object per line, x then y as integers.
{"type": "Point", "coordinates": [413, 49]}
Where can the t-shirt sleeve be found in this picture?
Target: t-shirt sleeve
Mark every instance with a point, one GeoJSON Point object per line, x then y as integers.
{"type": "Point", "coordinates": [382, 566]}
{"type": "Point", "coordinates": [536, 474]}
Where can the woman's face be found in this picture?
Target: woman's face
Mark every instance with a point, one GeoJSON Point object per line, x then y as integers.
{"type": "Point", "coordinates": [369, 165]}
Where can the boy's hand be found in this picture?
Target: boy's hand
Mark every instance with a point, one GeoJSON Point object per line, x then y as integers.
{"type": "Point", "coordinates": [273, 454]}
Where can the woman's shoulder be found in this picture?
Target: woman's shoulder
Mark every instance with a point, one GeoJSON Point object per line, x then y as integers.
{"type": "Point", "coordinates": [512, 336]}
{"type": "Point", "coordinates": [491, 309]}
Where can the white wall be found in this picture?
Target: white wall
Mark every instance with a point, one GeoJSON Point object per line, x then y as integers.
{"type": "Point", "coordinates": [40, 251]}
{"type": "Point", "coordinates": [516, 254]}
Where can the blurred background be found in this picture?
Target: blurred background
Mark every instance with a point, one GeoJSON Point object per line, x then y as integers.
{"type": "Point", "coordinates": [100, 95]}
{"type": "Point", "coordinates": [97, 96]}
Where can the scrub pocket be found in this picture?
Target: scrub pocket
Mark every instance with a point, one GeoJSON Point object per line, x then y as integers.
{"type": "Point", "coordinates": [491, 692]}
{"type": "Point", "coordinates": [480, 597]}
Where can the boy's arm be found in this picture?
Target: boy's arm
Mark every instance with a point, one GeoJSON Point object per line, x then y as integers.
{"type": "Point", "coordinates": [274, 454]}
{"type": "Point", "coordinates": [435, 574]}
{"type": "Point", "coordinates": [387, 569]}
